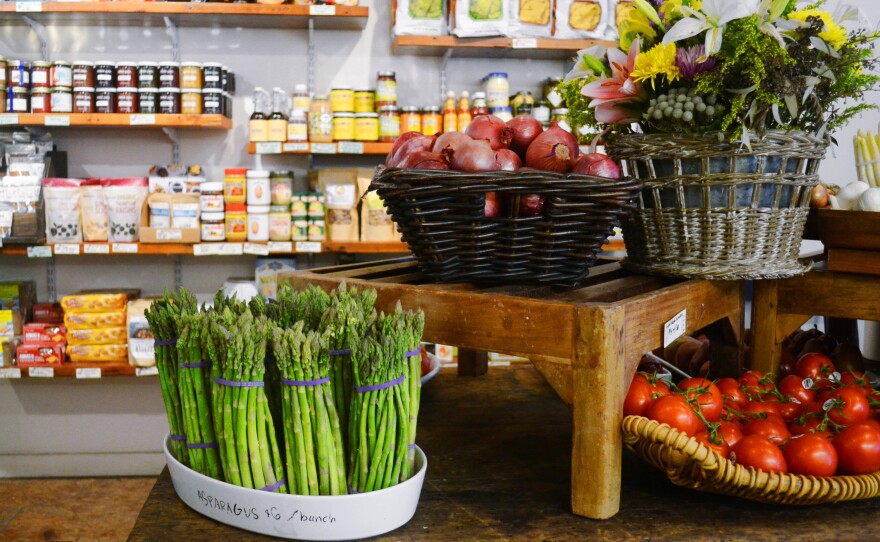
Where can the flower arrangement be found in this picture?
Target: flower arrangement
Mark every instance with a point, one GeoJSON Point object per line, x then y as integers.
{"type": "Point", "coordinates": [737, 66]}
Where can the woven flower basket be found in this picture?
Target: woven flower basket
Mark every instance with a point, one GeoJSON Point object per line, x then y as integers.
{"type": "Point", "coordinates": [715, 209]}
{"type": "Point", "coordinates": [688, 463]}
{"type": "Point", "coordinates": [440, 215]}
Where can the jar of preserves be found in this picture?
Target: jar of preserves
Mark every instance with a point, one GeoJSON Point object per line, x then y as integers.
{"type": "Point", "coordinates": [299, 228]}
{"type": "Point", "coordinates": [61, 100]}
{"type": "Point", "coordinates": [497, 90]}
{"type": "Point", "coordinates": [40, 100]}
{"type": "Point", "coordinates": [301, 98]}
{"type": "Point", "coordinates": [19, 74]}
{"type": "Point", "coordinates": [389, 123]}
{"type": "Point", "coordinates": [234, 186]}
{"type": "Point", "coordinates": [316, 229]}
{"type": "Point", "coordinates": [364, 101]}
{"type": "Point", "coordinates": [105, 74]}
{"type": "Point", "coordinates": [40, 74]}
{"type": "Point", "coordinates": [191, 101]}
{"type": "Point", "coordinates": [297, 127]}
{"type": "Point", "coordinates": [279, 223]}
{"type": "Point", "coordinates": [316, 206]}
{"type": "Point", "coordinates": [212, 98]}
{"type": "Point", "coordinates": [84, 100]}
{"type": "Point", "coordinates": [343, 126]}
{"type": "Point", "coordinates": [258, 187]}
{"type": "Point", "coordinates": [212, 75]}
{"type": "Point", "coordinates": [61, 74]}
{"type": "Point", "coordinates": [386, 88]}
{"type": "Point", "coordinates": [148, 100]}
{"type": "Point", "coordinates": [127, 75]}
{"type": "Point", "coordinates": [213, 226]}
{"type": "Point", "coordinates": [342, 100]}
{"type": "Point", "coordinates": [83, 74]}
{"type": "Point", "coordinates": [236, 222]}
{"type": "Point", "coordinates": [190, 75]}
{"type": "Point", "coordinates": [211, 197]}
{"type": "Point", "coordinates": [2, 72]}
{"type": "Point", "coordinates": [127, 100]}
{"type": "Point", "coordinates": [320, 120]}
{"type": "Point", "coordinates": [432, 120]}
{"type": "Point", "coordinates": [257, 223]}
{"type": "Point", "coordinates": [148, 75]}
{"type": "Point", "coordinates": [366, 127]}
{"type": "Point", "coordinates": [105, 100]}
{"type": "Point", "coordinates": [169, 101]}
{"type": "Point", "coordinates": [18, 100]}
{"type": "Point", "coordinates": [410, 120]}
{"type": "Point", "coordinates": [169, 75]}
{"type": "Point", "coordinates": [281, 186]}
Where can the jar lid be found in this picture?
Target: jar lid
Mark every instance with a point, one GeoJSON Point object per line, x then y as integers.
{"type": "Point", "coordinates": [410, 109]}
{"type": "Point", "coordinates": [191, 91]}
{"type": "Point", "coordinates": [371, 91]}
{"type": "Point", "coordinates": [282, 173]}
{"type": "Point", "coordinates": [105, 63]}
{"type": "Point", "coordinates": [18, 63]}
{"type": "Point", "coordinates": [127, 89]}
{"type": "Point", "coordinates": [393, 108]}
{"type": "Point", "coordinates": [297, 114]}
{"type": "Point", "coordinates": [208, 90]}
{"type": "Point", "coordinates": [148, 90]}
{"type": "Point", "coordinates": [40, 90]}
{"type": "Point", "coordinates": [279, 209]}
{"type": "Point", "coordinates": [174, 90]}
{"type": "Point", "coordinates": [343, 115]}
{"type": "Point", "coordinates": [320, 97]}
{"type": "Point", "coordinates": [60, 89]}
{"type": "Point", "coordinates": [387, 74]}
{"type": "Point", "coordinates": [148, 64]}
{"type": "Point", "coordinates": [502, 108]}
{"type": "Point", "coordinates": [212, 186]}
{"type": "Point", "coordinates": [239, 171]}
{"type": "Point", "coordinates": [432, 109]}
{"type": "Point", "coordinates": [213, 217]}
{"type": "Point", "coordinates": [196, 64]}
{"type": "Point", "coordinates": [257, 209]}
{"type": "Point", "coordinates": [300, 87]}
{"type": "Point", "coordinates": [212, 65]}
{"type": "Point", "coordinates": [127, 64]}
{"type": "Point", "coordinates": [42, 64]}
{"type": "Point", "coordinates": [479, 94]}
{"type": "Point", "coordinates": [61, 63]}
{"type": "Point", "coordinates": [334, 89]}
{"type": "Point", "coordinates": [258, 173]}
{"type": "Point", "coordinates": [108, 89]}
{"type": "Point", "coordinates": [236, 208]}
{"type": "Point", "coordinates": [366, 115]}
{"type": "Point", "coordinates": [84, 89]}
{"type": "Point", "coordinates": [20, 90]}
{"type": "Point", "coordinates": [498, 74]}
{"type": "Point", "coordinates": [169, 63]}
{"type": "Point", "coordinates": [83, 63]}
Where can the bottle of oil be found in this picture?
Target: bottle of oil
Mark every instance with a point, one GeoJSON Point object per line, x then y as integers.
{"type": "Point", "coordinates": [464, 112]}
{"type": "Point", "coordinates": [450, 117]}
{"type": "Point", "coordinates": [258, 126]}
{"type": "Point", "coordinates": [277, 120]}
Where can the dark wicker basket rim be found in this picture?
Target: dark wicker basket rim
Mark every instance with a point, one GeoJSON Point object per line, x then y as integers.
{"type": "Point", "coordinates": [712, 144]}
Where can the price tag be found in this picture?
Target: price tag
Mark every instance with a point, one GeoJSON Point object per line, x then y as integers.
{"type": "Point", "coordinates": [323, 148]}
{"type": "Point", "coordinates": [295, 147]}
{"type": "Point", "coordinates": [674, 328]}
{"type": "Point", "coordinates": [146, 371]}
{"type": "Point", "coordinates": [230, 249]}
{"type": "Point", "coordinates": [206, 249]}
{"type": "Point", "coordinates": [41, 372]}
{"type": "Point", "coordinates": [11, 372]}
{"type": "Point", "coordinates": [96, 248]}
{"type": "Point", "coordinates": [141, 120]}
{"type": "Point", "coordinates": [322, 10]}
{"type": "Point", "coordinates": [269, 147]}
{"type": "Point", "coordinates": [28, 7]}
{"type": "Point", "coordinates": [256, 249]}
{"type": "Point", "coordinates": [39, 252]}
{"type": "Point", "coordinates": [169, 235]}
{"type": "Point", "coordinates": [524, 43]}
{"type": "Point", "coordinates": [280, 246]}
{"type": "Point", "coordinates": [56, 120]}
{"type": "Point", "coordinates": [67, 248]}
{"type": "Point", "coordinates": [88, 372]}
{"type": "Point", "coordinates": [125, 248]}
{"type": "Point", "coordinates": [9, 118]}
{"type": "Point", "coordinates": [350, 147]}
{"type": "Point", "coordinates": [308, 246]}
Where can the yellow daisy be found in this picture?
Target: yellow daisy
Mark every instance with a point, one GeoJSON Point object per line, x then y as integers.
{"type": "Point", "coordinates": [635, 24]}
{"type": "Point", "coordinates": [659, 60]}
{"type": "Point", "coordinates": [834, 34]}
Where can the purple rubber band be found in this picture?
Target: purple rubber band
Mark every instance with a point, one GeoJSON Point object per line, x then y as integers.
{"type": "Point", "coordinates": [412, 353]}
{"type": "Point", "coordinates": [202, 445]}
{"type": "Point", "coordinates": [411, 446]}
{"type": "Point", "coordinates": [274, 486]}
{"type": "Point", "coordinates": [269, 359]}
{"type": "Point", "coordinates": [343, 352]}
{"type": "Point", "coordinates": [178, 437]}
{"type": "Point", "coordinates": [353, 491]}
{"type": "Point", "coordinates": [169, 342]}
{"type": "Point", "coordinates": [382, 386]}
{"type": "Point", "coordinates": [200, 365]}
{"type": "Point", "coordinates": [235, 384]}
{"type": "Point", "coordinates": [306, 382]}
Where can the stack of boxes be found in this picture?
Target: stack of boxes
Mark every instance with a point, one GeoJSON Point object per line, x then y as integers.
{"type": "Point", "coordinates": [16, 307]}
{"type": "Point", "coordinates": [96, 327]}
{"type": "Point", "coordinates": [43, 345]}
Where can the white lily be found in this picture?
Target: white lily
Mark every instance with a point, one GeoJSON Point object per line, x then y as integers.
{"type": "Point", "coordinates": [585, 66]}
{"type": "Point", "coordinates": [714, 16]}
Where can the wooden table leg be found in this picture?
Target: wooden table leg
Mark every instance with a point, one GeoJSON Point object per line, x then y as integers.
{"type": "Point", "coordinates": [766, 350]}
{"type": "Point", "coordinates": [472, 362]}
{"type": "Point", "coordinates": [598, 367]}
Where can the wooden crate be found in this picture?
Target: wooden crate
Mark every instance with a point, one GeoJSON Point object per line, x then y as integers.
{"type": "Point", "coordinates": [586, 341]}
{"type": "Point", "coordinates": [852, 239]}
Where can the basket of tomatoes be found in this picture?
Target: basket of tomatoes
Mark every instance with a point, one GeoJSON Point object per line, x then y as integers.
{"type": "Point", "coordinates": [810, 438]}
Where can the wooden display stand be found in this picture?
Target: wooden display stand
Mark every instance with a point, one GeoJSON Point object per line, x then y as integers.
{"type": "Point", "coordinates": [586, 342]}
{"type": "Point", "coordinates": [781, 306]}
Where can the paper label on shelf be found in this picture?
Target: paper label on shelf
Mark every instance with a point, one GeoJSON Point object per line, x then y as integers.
{"type": "Point", "coordinates": [41, 372]}
{"type": "Point", "coordinates": [269, 147]}
{"type": "Point", "coordinates": [524, 43]}
{"type": "Point", "coordinates": [57, 120]}
{"type": "Point", "coordinates": [141, 120]}
{"type": "Point", "coordinates": [280, 246]}
{"type": "Point", "coordinates": [169, 235]}
{"type": "Point", "coordinates": [146, 371]}
{"type": "Point", "coordinates": [96, 248]}
{"type": "Point", "coordinates": [230, 249]}
{"type": "Point", "coordinates": [322, 10]}
{"type": "Point", "coordinates": [295, 147]}
{"type": "Point", "coordinates": [125, 248]}
{"type": "Point", "coordinates": [674, 328]}
{"type": "Point", "coordinates": [323, 148]}
{"type": "Point", "coordinates": [308, 246]}
{"type": "Point", "coordinates": [206, 249]}
{"type": "Point", "coordinates": [8, 118]}
{"type": "Point", "coordinates": [10, 372]}
{"type": "Point", "coordinates": [350, 147]}
{"type": "Point", "coordinates": [256, 249]}
{"type": "Point", "coordinates": [28, 7]}
{"type": "Point", "coordinates": [88, 372]}
{"type": "Point", "coordinates": [67, 248]}
{"type": "Point", "coordinates": [39, 252]}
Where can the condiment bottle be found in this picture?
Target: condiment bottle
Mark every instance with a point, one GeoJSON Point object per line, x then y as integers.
{"type": "Point", "coordinates": [450, 117]}
{"type": "Point", "coordinates": [479, 107]}
{"type": "Point", "coordinates": [464, 112]}
{"type": "Point", "coordinates": [297, 127]}
{"type": "Point", "coordinates": [258, 126]}
{"type": "Point", "coordinates": [277, 120]}
{"type": "Point", "coordinates": [320, 120]}
{"type": "Point", "coordinates": [301, 99]}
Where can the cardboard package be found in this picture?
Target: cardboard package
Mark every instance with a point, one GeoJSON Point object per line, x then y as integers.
{"type": "Point", "coordinates": [170, 234]}
{"type": "Point", "coordinates": [141, 351]}
{"type": "Point", "coordinates": [342, 192]}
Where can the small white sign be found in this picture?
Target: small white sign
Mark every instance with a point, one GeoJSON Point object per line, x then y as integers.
{"type": "Point", "coordinates": [146, 371]}
{"type": "Point", "coordinates": [269, 147]}
{"type": "Point", "coordinates": [96, 248]}
{"type": "Point", "coordinates": [674, 328]}
{"type": "Point", "coordinates": [524, 43]}
{"type": "Point", "coordinates": [295, 147]}
{"type": "Point", "coordinates": [322, 10]}
{"type": "Point", "coordinates": [57, 120]}
{"type": "Point", "coordinates": [9, 118]}
{"type": "Point", "coordinates": [28, 7]}
{"type": "Point", "coordinates": [41, 372]}
{"type": "Point", "coordinates": [350, 147]}
{"type": "Point", "coordinates": [88, 372]}
{"type": "Point", "coordinates": [206, 249]}
{"type": "Point", "coordinates": [125, 248]}
{"type": "Point", "coordinates": [67, 248]}
{"type": "Point", "coordinates": [10, 372]}
{"type": "Point", "coordinates": [280, 246]}
{"type": "Point", "coordinates": [142, 120]}
{"type": "Point", "coordinates": [39, 252]}
{"type": "Point", "coordinates": [323, 148]}
{"type": "Point", "coordinates": [308, 246]}
{"type": "Point", "coordinates": [256, 249]}
{"type": "Point", "coordinates": [169, 235]}
{"type": "Point", "coordinates": [230, 249]}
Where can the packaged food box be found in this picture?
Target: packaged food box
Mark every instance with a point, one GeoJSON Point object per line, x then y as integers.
{"type": "Point", "coordinates": [267, 270]}
{"type": "Point", "coordinates": [10, 323]}
{"type": "Point", "coordinates": [86, 320]}
{"type": "Point", "coordinates": [100, 335]}
{"type": "Point", "coordinates": [39, 354]}
{"type": "Point", "coordinates": [93, 302]}
{"type": "Point", "coordinates": [141, 349]}
{"type": "Point", "coordinates": [38, 333]}
{"type": "Point", "coordinates": [19, 295]}
{"type": "Point", "coordinates": [98, 352]}
{"type": "Point", "coordinates": [176, 205]}
{"type": "Point", "coordinates": [48, 313]}
{"type": "Point", "coordinates": [581, 19]}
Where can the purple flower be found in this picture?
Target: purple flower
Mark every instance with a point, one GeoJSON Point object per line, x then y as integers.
{"type": "Point", "coordinates": [688, 62]}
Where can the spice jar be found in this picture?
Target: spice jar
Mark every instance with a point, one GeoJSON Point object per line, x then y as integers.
{"type": "Point", "coordinates": [236, 222]}
{"type": "Point", "coordinates": [234, 185]}
{"type": "Point", "coordinates": [83, 74]}
{"type": "Point", "coordinates": [432, 120]}
{"type": "Point", "coordinates": [211, 197]}
{"type": "Point", "coordinates": [105, 100]}
{"type": "Point", "coordinates": [19, 74]}
{"type": "Point", "coordinates": [169, 75]}
{"type": "Point", "coordinates": [364, 101]}
{"type": "Point", "coordinates": [148, 75]}
{"type": "Point", "coordinates": [366, 127]}
{"type": "Point", "coordinates": [212, 75]}
{"type": "Point", "coordinates": [342, 99]}
{"type": "Point", "coordinates": [61, 100]}
{"type": "Point", "coordinates": [169, 101]}
{"type": "Point", "coordinates": [389, 123]}
{"type": "Point", "coordinates": [105, 74]}
{"type": "Point", "coordinates": [410, 120]}
{"type": "Point", "coordinates": [84, 100]}
{"type": "Point", "coordinates": [40, 100]}
{"type": "Point", "coordinates": [386, 89]}
{"type": "Point", "coordinates": [61, 74]}
{"type": "Point", "coordinates": [148, 100]}
{"type": "Point", "coordinates": [127, 100]}
{"type": "Point", "coordinates": [213, 226]}
{"type": "Point", "coordinates": [258, 187]}
{"type": "Point", "coordinates": [343, 126]}
{"type": "Point", "coordinates": [281, 186]}
{"type": "Point", "coordinates": [257, 223]}
{"type": "Point", "coordinates": [127, 75]}
{"type": "Point", "coordinates": [191, 101]}
{"type": "Point", "coordinates": [279, 223]}
{"type": "Point", "coordinates": [40, 74]}
{"type": "Point", "coordinates": [190, 75]}
{"type": "Point", "coordinates": [320, 120]}
{"type": "Point", "coordinates": [212, 99]}
{"type": "Point", "coordinates": [18, 100]}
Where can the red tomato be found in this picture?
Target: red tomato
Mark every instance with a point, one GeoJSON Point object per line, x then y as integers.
{"type": "Point", "coordinates": [641, 394]}
{"type": "Point", "coordinates": [708, 395]}
{"type": "Point", "coordinates": [858, 449]}
{"type": "Point", "coordinates": [721, 447]}
{"type": "Point", "coordinates": [810, 455]}
{"type": "Point", "coordinates": [774, 431]}
{"type": "Point", "coordinates": [814, 365]}
{"type": "Point", "coordinates": [761, 409]}
{"type": "Point", "coordinates": [812, 407]}
{"type": "Point", "coordinates": [850, 406]}
{"type": "Point", "coordinates": [790, 411]}
{"type": "Point", "coordinates": [870, 422]}
{"type": "Point", "coordinates": [855, 378]}
{"type": "Point", "coordinates": [809, 425]}
{"type": "Point", "coordinates": [731, 432]}
{"type": "Point", "coordinates": [674, 411]}
{"type": "Point", "coordinates": [731, 391]}
{"type": "Point", "coordinates": [793, 386]}
{"type": "Point", "coordinates": [754, 381]}
{"type": "Point", "coordinates": [758, 452]}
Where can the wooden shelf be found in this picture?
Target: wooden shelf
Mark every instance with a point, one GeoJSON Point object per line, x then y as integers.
{"type": "Point", "coordinates": [188, 14]}
{"type": "Point", "coordinates": [116, 120]}
{"type": "Point", "coordinates": [491, 47]}
{"type": "Point", "coordinates": [342, 147]}
{"type": "Point", "coordinates": [204, 249]}
{"type": "Point", "coordinates": [80, 370]}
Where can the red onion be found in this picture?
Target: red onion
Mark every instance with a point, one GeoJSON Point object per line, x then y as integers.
{"type": "Point", "coordinates": [553, 150]}
{"type": "Point", "coordinates": [507, 160]}
{"type": "Point", "coordinates": [594, 163]}
{"type": "Point", "coordinates": [451, 140]}
{"type": "Point", "coordinates": [424, 160]}
{"type": "Point", "coordinates": [525, 130]}
{"type": "Point", "coordinates": [399, 143]}
{"type": "Point", "coordinates": [413, 144]}
{"type": "Point", "coordinates": [472, 157]}
{"type": "Point", "coordinates": [492, 129]}
{"type": "Point", "coordinates": [531, 205]}
{"type": "Point", "coordinates": [492, 208]}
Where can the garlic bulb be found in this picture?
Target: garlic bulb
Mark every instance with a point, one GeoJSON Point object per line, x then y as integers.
{"type": "Point", "coordinates": [870, 200]}
{"type": "Point", "coordinates": [849, 195]}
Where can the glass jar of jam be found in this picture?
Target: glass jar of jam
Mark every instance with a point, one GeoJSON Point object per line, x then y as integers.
{"type": "Point", "coordinates": [169, 75]}
{"type": "Point", "coordinates": [148, 75]}
{"type": "Point", "coordinates": [213, 225]}
{"type": "Point", "coordinates": [84, 100]}
{"type": "Point", "coordinates": [212, 73]}
{"type": "Point", "coordinates": [83, 74]}
{"type": "Point", "coordinates": [127, 100]}
{"type": "Point", "coordinates": [18, 100]}
{"type": "Point", "coordinates": [236, 222]}
{"type": "Point", "coordinates": [190, 75]}
{"type": "Point", "coordinates": [61, 74]}
{"type": "Point", "coordinates": [61, 100]}
{"type": "Point", "coordinates": [366, 127]}
{"type": "Point", "coordinates": [191, 101]}
{"type": "Point", "coordinates": [410, 120]}
{"type": "Point", "coordinates": [364, 101]}
{"type": "Point", "coordinates": [320, 120]}
{"type": "Point", "coordinates": [389, 123]}
{"type": "Point", "coordinates": [432, 120]}
{"type": "Point", "coordinates": [40, 100]}
{"type": "Point", "coordinates": [40, 74]}
{"type": "Point", "coordinates": [386, 89]}
{"type": "Point", "coordinates": [213, 101]}
{"type": "Point", "coordinates": [169, 101]}
{"type": "Point", "coordinates": [105, 100]}
{"type": "Point", "coordinates": [105, 74]}
{"type": "Point", "coordinates": [148, 100]}
{"type": "Point", "coordinates": [343, 126]}
{"type": "Point", "coordinates": [127, 75]}
{"type": "Point", "coordinates": [19, 74]}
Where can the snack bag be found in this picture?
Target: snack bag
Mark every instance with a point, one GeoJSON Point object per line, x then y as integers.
{"type": "Point", "coordinates": [530, 19]}
{"type": "Point", "coordinates": [581, 19]}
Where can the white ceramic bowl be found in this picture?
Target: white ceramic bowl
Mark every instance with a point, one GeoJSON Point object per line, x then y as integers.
{"type": "Point", "coordinates": [435, 368]}
{"type": "Point", "coordinates": [343, 517]}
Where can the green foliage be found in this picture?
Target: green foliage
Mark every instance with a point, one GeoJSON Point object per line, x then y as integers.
{"type": "Point", "coordinates": [579, 111]}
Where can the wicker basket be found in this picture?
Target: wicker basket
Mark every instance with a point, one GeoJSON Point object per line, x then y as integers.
{"type": "Point", "coordinates": [440, 215]}
{"type": "Point", "coordinates": [715, 209]}
{"type": "Point", "coordinates": [688, 463]}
